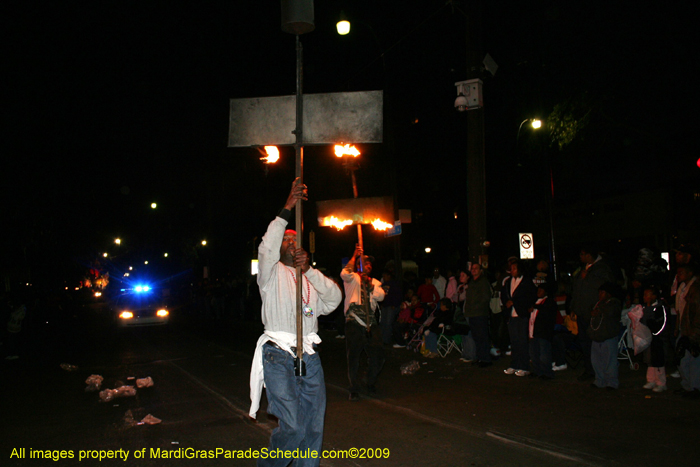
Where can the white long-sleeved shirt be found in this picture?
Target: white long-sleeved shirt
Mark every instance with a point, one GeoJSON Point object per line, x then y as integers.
{"type": "Point", "coordinates": [353, 289]}
{"type": "Point", "coordinates": [278, 291]}
{"type": "Point", "coordinates": [277, 284]}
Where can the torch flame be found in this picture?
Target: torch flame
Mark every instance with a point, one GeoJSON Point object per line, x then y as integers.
{"type": "Point", "coordinates": [341, 151]}
{"type": "Point", "coordinates": [380, 225]}
{"type": "Point", "coordinates": [333, 221]}
{"type": "Point", "coordinates": [273, 155]}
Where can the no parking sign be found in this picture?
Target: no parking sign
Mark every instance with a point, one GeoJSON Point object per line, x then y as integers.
{"type": "Point", "coordinates": [527, 246]}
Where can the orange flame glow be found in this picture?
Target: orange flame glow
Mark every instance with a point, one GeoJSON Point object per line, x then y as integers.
{"type": "Point", "coordinates": [333, 221]}
{"type": "Point", "coordinates": [273, 155]}
{"type": "Point", "coordinates": [341, 151]}
{"type": "Point", "coordinates": [380, 225]}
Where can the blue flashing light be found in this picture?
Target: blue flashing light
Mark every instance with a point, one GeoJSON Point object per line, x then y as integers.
{"type": "Point", "coordinates": [142, 288]}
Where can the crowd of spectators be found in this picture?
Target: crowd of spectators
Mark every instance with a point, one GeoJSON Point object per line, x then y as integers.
{"type": "Point", "coordinates": [543, 325]}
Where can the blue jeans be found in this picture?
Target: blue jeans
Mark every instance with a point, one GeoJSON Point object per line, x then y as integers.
{"type": "Point", "coordinates": [389, 314]}
{"type": "Point", "coordinates": [690, 372]}
{"type": "Point", "coordinates": [431, 342]}
{"type": "Point", "coordinates": [605, 364]}
{"type": "Point", "coordinates": [480, 333]}
{"type": "Point", "coordinates": [299, 402]}
{"type": "Point", "coordinates": [468, 347]}
{"type": "Point", "coordinates": [541, 357]}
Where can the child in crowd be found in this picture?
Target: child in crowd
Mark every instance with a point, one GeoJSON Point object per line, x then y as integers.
{"type": "Point", "coordinates": [654, 318]}
{"type": "Point", "coordinates": [409, 317]}
{"type": "Point", "coordinates": [442, 318]}
{"type": "Point", "coordinates": [542, 319]}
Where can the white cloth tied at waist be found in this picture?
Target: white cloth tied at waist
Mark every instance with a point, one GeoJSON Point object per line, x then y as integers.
{"type": "Point", "coordinates": [285, 341]}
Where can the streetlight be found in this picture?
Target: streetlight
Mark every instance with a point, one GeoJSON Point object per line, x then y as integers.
{"type": "Point", "coordinates": [154, 205]}
{"type": "Point", "coordinates": [118, 241]}
{"type": "Point", "coordinates": [343, 25]}
{"type": "Point", "coordinates": [204, 243]}
{"type": "Point", "coordinates": [536, 123]}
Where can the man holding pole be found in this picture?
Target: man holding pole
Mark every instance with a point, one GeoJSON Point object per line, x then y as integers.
{"type": "Point", "coordinates": [362, 331]}
{"type": "Point", "coordinates": [297, 399]}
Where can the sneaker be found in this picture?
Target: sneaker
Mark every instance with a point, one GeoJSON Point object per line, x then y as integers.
{"type": "Point", "coordinates": [508, 352]}
{"type": "Point", "coordinates": [659, 388]}
{"type": "Point", "coordinates": [495, 352]}
{"type": "Point", "coordinates": [650, 385]}
{"type": "Point", "coordinates": [354, 396]}
{"type": "Point", "coordinates": [509, 371]}
{"type": "Point", "coordinates": [560, 367]}
{"type": "Point", "coordinates": [522, 373]}
{"type": "Point", "coordinates": [676, 374]}
{"type": "Point", "coordinates": [399, 346]}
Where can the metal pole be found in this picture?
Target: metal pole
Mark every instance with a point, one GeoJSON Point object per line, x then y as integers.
{"type": "Point", "coordinates": [476, 165]}
{"type": "Point", "coordinates": [299, 366]}
{"type": "Point", "coordinates": [359, 226]}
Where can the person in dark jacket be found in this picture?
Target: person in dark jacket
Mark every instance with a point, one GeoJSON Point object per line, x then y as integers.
{"type": "Point", "coordinates": [603, 330]}
{"type": "Point", "coordinates": [584, 295]}
{"type": "Point", "coordinates": [518, 295]}
{"type": "Point", "coordinates": [655, 318]}
{"type": "Point", "coordinates": [542, 320]}
{"type": "Point", "coordinates": [476, 310]}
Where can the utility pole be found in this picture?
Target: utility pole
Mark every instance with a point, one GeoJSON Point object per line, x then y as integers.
{"type": "Point", "coordinates": [476, 165]}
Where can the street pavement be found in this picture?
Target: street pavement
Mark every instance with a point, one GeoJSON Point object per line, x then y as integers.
{"type": "Point", "coordinates": [447, 413]}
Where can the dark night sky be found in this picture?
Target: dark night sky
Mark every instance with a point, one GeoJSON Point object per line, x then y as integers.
{"type": "Point", "coordinates": [113, 105]}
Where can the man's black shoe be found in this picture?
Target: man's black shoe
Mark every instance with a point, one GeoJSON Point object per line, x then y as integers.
{"type": "Point", "coordinates": [354, 396]}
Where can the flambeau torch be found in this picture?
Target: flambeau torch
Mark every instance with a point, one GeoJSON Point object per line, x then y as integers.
{"type": "Point", "coordinates": [351, 165]}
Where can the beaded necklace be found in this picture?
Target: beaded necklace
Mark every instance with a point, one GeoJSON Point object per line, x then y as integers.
{"type": "Point", "coordinates": [308, 311]}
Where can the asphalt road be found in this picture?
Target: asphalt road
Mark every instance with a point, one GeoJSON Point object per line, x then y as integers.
{"type": "Point", "coordinates": [447, 413]}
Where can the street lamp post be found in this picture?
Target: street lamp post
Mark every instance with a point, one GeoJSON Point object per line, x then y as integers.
{"type": "Point", "coordinates": [536, 125]}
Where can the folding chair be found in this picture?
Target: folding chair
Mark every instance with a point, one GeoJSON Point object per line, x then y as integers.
{"type": "Point", "coordinates": [448, 342]}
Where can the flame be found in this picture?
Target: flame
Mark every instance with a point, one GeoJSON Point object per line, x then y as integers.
{"type": "Point", "coordinates": [273, 155]}
{"type": "Point", "coordinates": [348, 150]}
{"type": "Point", "coordinates": [380, 225]}
{"type": "Point", "coordinates": [333, 221]}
